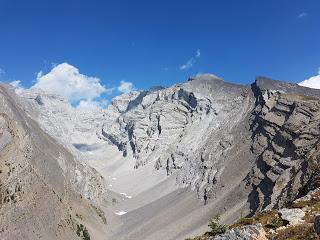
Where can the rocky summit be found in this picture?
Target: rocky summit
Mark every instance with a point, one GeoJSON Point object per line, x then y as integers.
{"type": "Point", "coordinates": [161, 163]}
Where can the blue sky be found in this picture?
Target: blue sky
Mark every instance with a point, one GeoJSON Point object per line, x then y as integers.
{"type": "Point", "coordinates": [147, 42]}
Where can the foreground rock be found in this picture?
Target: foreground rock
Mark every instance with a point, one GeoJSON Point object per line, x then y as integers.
{"type": "Point", "coordinates": [251, 232]}
{"type": "Point", "coordinates": [292, 216]}
{"type": "Point", "coordinates": [317, 224]}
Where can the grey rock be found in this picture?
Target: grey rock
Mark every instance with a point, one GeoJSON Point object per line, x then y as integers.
{"type": "Point", "coordinates": [250, 232]}
{"type": "Point", "coordinates": [292, 216]}
{"type": "Point", "coordinates": [317, 224]}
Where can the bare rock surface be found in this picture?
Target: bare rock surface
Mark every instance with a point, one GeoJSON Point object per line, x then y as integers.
{"type": "Point", "coordinates": [286, 132]}
{"type": "Point", "coordinates": [293, 216]}
{"type": "Point", "coordinates": [317, 224]}
{"type": "Point", "coordinates": [250, 232]}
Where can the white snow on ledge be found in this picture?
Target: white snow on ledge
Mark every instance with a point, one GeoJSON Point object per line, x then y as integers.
{"type": "Point", "coordinates": [127, 196]}
{"type": "Point", "coordinates": [120, 213]}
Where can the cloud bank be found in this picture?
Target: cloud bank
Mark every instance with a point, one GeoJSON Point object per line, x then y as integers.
{"type": "Point", "coordinates": [84, 92]}
{"type": "Point", "coordinates": [302, 15]}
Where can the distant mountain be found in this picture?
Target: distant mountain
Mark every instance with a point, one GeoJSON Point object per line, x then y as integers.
{"type": "Point", "coordinates": [172, 158]}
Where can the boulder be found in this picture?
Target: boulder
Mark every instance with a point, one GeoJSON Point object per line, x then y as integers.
{"type": "Point", "coordinates": [292, 216]}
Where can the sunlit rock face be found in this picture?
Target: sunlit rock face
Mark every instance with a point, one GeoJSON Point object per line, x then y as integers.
{"type": "Point", "coordinates": [187, 128]}
{"type": "Point", "coordinates": [207, 129]}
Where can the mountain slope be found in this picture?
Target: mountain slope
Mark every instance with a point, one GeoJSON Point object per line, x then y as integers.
{"type": "Point", "coordinates": [41, 193]}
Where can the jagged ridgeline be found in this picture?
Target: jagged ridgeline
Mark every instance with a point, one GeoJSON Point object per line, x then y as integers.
{"type": "Point", "coordinates": [206, 127]}
{"type": "Point", "coordinates": [171, 158]}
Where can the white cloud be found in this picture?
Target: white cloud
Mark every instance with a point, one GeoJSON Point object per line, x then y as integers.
{"type": "Point", "coordinates": [90, 105]}
{"type": "Point", "coordinates": [66, 80]}
{"type": "Point", "coordinates": [198, 53]}
{"type": "Point", "coordinates": [39, 74]}
{"type": "Point", "coordinates": [302, 15]}
{"type": "Point", "coordinates": [191, 61]}
{"type": "Point", "coordinates": [84, 92]}
{"type": "Point", "coordinates": [2, 71]}
{"type": "Point", "coordinates": [17, 85]}
{"type": "Point", "coordinates": [313, 82]}
{"type": "Point", "coordinates": [125, 87]}
{"type": "Point", "coordinates": [188, 64]}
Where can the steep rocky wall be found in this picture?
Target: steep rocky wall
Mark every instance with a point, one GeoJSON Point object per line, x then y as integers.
{"type": "Point", "coordinates": [196, 130]}
{"type": "Point", "coordinates": [265, 135]}
{"type": "Point", "coordinates": [285, 130]}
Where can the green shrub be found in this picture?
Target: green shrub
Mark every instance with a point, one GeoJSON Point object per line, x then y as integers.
{"type": "Point", "coordinates": [216, 226]}
{"type": "Point", "coordinates": [83, 232]}
{"type": "Point", "coordinates": [275, 223]}
{"type": "Point", "coordinates": [79, 229]}
{"type": "Point", "coordinates": [86, 235]}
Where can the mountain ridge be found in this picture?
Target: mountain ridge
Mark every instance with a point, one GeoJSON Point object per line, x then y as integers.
{"type": "Point", "coordinates": [187, 152]}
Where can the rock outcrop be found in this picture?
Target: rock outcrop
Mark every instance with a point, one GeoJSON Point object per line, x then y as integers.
{"type": "Point", "coordinates": [250, 232]}
{"type": "Point", "coordinates": [285, 131]}
{"type": "Point", "coordinates": [292, 216]}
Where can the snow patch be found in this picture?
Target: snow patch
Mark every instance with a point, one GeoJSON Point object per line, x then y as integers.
{"type": "Point", "coordinates": [120, 213]}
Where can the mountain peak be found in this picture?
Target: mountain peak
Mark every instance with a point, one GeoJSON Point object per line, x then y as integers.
{"type": "Point", "coordinates": [204, 76]}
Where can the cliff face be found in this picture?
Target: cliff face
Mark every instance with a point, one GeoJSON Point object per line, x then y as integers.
{"type": "Point", "coordinates": [172, 128]}
{"type": "Point", "coordinates": [284, 128]}
{"type": "Point", "coordinates": [285, 132]}
{"type": "Point", "coordinates": [207, 130]}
